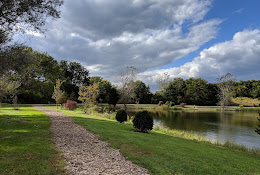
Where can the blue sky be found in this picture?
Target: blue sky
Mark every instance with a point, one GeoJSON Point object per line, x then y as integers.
{"type": "Point", "coordinates": [184, 38]}
{"type": "Point", "coordinates": [237, 15]}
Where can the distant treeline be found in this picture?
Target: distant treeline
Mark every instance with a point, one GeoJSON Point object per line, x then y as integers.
{"type": "Point", "coordinates": [37, 73]}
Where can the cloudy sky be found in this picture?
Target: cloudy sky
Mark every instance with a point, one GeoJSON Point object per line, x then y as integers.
{"type": "Point", "coordinates": [185, 38]}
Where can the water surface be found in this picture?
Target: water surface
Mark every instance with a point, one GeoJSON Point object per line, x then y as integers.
{"type": "Point", "coordinates": [237, 127]}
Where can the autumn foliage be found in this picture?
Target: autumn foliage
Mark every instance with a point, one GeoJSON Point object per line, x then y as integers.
{"type": "Point", "coordinates": [71, 105]}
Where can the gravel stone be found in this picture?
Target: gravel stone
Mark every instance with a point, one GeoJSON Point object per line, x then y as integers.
{"type": "Point", "coordinates": [83, 152]}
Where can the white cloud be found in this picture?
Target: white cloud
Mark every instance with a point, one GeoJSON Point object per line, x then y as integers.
{"type": "Point", "coordinates": [239, 56]}
{"type": "Point", "coordinates": [108, 35]}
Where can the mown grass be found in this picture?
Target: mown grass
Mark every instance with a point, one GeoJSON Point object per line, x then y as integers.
{"type": "Point", "coordinates": [26, 147]}
{"type": "Point", "coordinates": [164, 154]}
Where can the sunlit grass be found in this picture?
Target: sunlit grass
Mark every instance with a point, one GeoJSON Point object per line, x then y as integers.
{"type": "Point", "coordinates": [25, 143]}
{"type": "Point", "coordinates": [163, 153]}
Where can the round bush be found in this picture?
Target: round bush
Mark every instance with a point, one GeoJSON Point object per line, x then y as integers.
{"type": "Point", "coordinates": [121, 116]}
{"type": "Point", "coordinates": [143, 121]}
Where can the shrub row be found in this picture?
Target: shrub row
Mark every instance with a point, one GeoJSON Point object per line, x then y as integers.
{"type": "Point", "coordinates": [142, 121]}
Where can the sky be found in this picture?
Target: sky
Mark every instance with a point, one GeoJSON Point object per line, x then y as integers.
{"type": "Point", "coordinates": [184, 38]}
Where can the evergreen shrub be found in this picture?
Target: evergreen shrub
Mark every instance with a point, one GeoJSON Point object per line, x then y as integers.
{"type": "Point", "coordinates": [121, 116]}
{"type": "Point", "coordinates": [143, 121]}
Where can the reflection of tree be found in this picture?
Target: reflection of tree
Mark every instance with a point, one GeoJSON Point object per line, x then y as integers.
{"type": "Point", "coordinates": [257, 130]}
{"type": "Point", "coordinates": [189, 121]}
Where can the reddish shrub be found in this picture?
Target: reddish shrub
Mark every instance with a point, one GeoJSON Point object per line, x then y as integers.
{"type": "Point", "coordinates": [71, 105]}
{"type": "Point", "coordinates": [183, 105]}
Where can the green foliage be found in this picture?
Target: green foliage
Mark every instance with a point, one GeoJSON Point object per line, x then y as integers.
{"type": "Point", "coordinates": [104, 87]}
{"type": "Point", "coordinates": [121, 116]}
{"type": "Point", "coordinates": [241, 106]}
{"type": "Point", "coordinates": [169, 103]}
{"type": "Point", "coordinates": [8, 86]}
{"type": "Point", "coordinates": [142, 93]}
{"type": "Point", "coordinates": [143, 121]}
{"type": "Point", "coordinates": [160, 103]}
{"type": "Point", "coordinates": [113, 96]}
{"type": "Point", "coordinates": [30, 15]}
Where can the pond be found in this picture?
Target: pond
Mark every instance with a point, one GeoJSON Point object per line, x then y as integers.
{"type": "Point", "coordinates": [236, 127]}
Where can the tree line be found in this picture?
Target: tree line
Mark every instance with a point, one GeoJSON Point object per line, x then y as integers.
{"type": "Point", "coordinates": [31, 76]}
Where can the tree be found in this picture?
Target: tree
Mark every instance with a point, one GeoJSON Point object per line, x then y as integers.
{"type": "Point", "coordinates": [162, 81]}
{"type": "Point", "coordinates": [225, 87]}
{"type": "Point", "coordinates": [196, 91]}
{"type": "Point", "coordinates": [113, 96]}
{"type": "Point", "coordinates": [142, 92]}
{"type": "Point", "coordinates": [88, 95]}
{"type": "Point", "coordinates": [126, 79]}
{"type": "Point", "coordinates": [257, 130]}
{"type": "Point", "coordinates": [175, 90]}
{"type": "Point", "coordinates": [58, 95]}
{"type": "Point", "coordinates": [8, 86]}
{"type": "Point", "coordinates": [25, 15]}
{"type": "Point", "coordinates": [104, 88]}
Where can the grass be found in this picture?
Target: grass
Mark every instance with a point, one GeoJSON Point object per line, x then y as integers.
{"type": "Point", "coordinates": [161, 153]}
{"type": "Point", "coordinates": [247, 102]}
{"type": "Point", "coordinates": [25, 143]}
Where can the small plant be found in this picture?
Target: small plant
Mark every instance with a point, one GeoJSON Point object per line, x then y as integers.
{"type": "Point", "coordinates": [121, 116]}
{"type": "Point", "coordinates": [160, 103]}
{"type": "Point", "coordinates": [71, 105]}
{"type": "Point", "coordinates": [143, 121]}
{"type": "Point", "coordinates": [183, 105]}
{"type": "Point", "coordinates": [169, 103]}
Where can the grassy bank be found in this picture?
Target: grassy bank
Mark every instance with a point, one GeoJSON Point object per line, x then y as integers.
{"type": "Point", "coordinates": [161, 153]}
{"type": "Point", "coordinates": [247, 102]}
{"type": "Point", "coordinates": [25, 143]}
{"type": "Point", "coordinates": [186, 108]}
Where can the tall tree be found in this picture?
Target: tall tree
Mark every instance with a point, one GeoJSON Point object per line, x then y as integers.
{"type": "Point", "coordinates": [25, 15]}
{"type": "Point", "coordinates": [196, 91]}
{"type": "Point", "coordinates": [8, 86]}
{"type": "Point", "coordinates": [104, 88]}
{"type": "Point", "coordinates": [74, 75]}
{"type": "Point", "coordinates": [126, 79]}
{"type": "Point", "coordinates": [162, 81]}
{"type": "Point", "coordinates": [142, 92]}
{"type": "Point", "coordinates": [225, 86]}
{"type": "Point", "coordinates": [113, 96]}
{"type": "Point", "coordinates": [175, 90]}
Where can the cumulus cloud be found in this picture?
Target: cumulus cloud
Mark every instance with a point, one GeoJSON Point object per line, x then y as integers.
{"type": "Point", "coordinates": [239, 56]}
{"type": "Point", "coordinates": [108, 35]}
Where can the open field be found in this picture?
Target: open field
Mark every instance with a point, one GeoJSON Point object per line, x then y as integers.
{"type": "Point", "coordinates": [25, 143]}
{"type": "Point", "coordinates": [164, 154]}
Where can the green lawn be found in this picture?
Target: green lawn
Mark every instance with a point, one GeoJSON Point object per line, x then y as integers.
{"type": "Point", "coordinates": [26, 147]}
{"type": "Point", "coordinates": [163, 154]}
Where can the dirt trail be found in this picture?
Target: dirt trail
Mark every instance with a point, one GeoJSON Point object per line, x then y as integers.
{"type": "Point", "coordinates": [83, 152]}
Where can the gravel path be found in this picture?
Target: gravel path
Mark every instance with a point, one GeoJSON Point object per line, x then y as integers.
{"type": "Point", "coordinates": [83, 152]}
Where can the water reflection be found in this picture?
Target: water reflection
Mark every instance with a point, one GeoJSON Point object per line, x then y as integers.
{"type": "Point", "coordinates": [237, 127]}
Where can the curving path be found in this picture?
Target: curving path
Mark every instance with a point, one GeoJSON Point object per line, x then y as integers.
{"type": "Point", "coordinates": [83, 152]}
